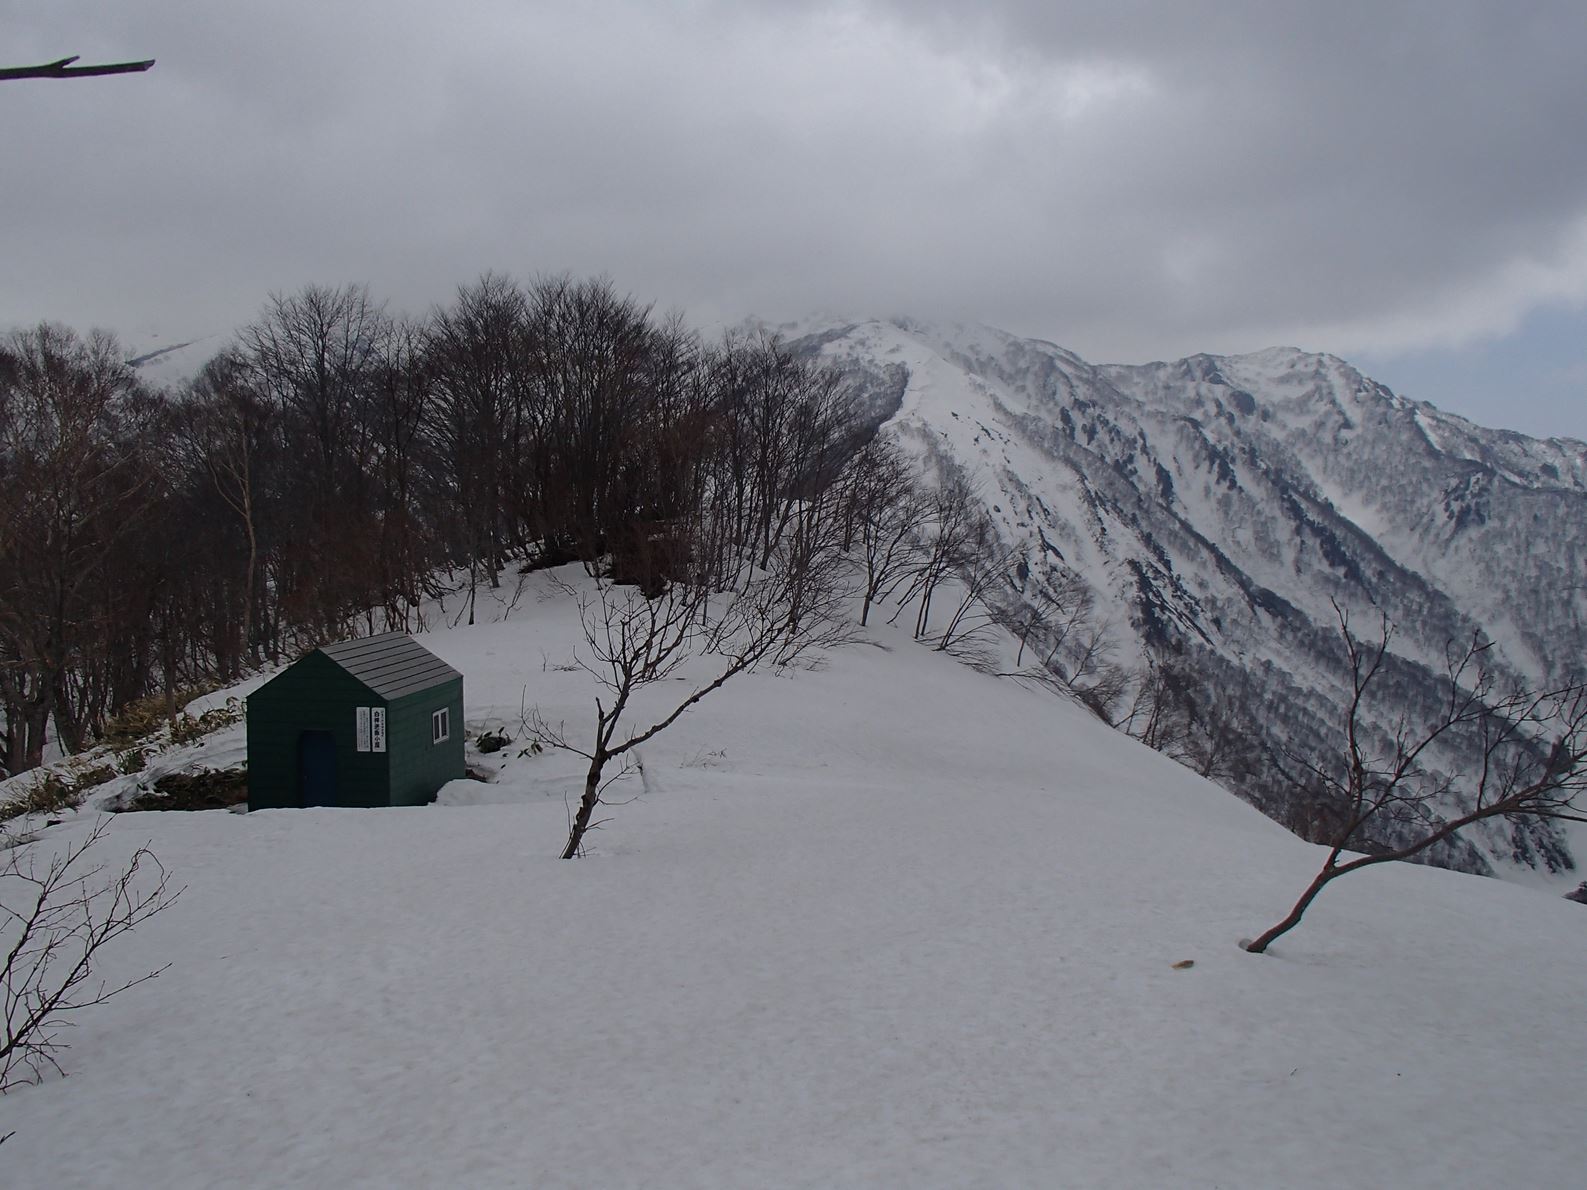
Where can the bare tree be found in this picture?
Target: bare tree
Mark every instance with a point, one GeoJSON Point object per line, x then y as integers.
{"type": "Point", "coordinates": [952, 525]}
{"type": "Point", "coordinates": [982, 572]}
{"type": "Point", "coordinates": [634, 642]}
{"type": "Point", "coordinates": [315, 361]}
{"type": "Point", "coordinates": [75, 485]}
{"type": "Point", "coordinates": [885, 515]}
{"type": "Point", "coordinates": [1049, 614]}
{"type": "Point", "coordinates": [1081, 656]}
{"type": "Point", "coordinates": [1219, 744]}
{"type": "Point", "coordinates": [590, 356]}
{"type": "Point", "coordinates": [408, 555]}
{"type": "Point", "coordinates": [56, 916]}
{"type": "Point", "coordinates": [1524, 753]}
{"type": "Point", "coordinates": [477, 353]}
{"type": "Point", "coordinates": [225, 429]}
{"type": "Point", "coordinates": [1158, 711]}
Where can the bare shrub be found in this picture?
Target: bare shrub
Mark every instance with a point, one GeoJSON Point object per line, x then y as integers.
{"type": "Point", "coordinates": [53, 790]}
{"type": "Point", "coordinates": [207, 789]}
{"type": "Point", "coordinates": [188, 729]}
{"type": "Point", "coordinates": [138, 720]}
{"type": "Point", "coordinates": [56, 915]}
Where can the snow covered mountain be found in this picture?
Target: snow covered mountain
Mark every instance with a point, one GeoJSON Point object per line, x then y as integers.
{"type": "Point", "coordinates": [164, 363]}
{"type": "Point", "coordinates": [1221, 505]}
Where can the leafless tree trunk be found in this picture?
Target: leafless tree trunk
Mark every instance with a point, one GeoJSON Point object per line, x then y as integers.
{"type": "Point", "coordinates": [983, 569]}
{"type": "Point", "coordinates": [635, 642]}
{"type": "Point", "coordinates": [1529, 749]}
{"type": "Point", "coordinates": [224, 425]}
{"type": "Point", "coordinates": [315, 360]}
{"type": "Point", "coordinates": [950, 531]}
{"type": "Point", "coordinates": [886, 514]}
{"type": "Point", "coordinates": [74, 485]}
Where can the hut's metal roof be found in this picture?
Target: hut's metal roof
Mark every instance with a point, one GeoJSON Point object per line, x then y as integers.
{"type": "Point", "coordinates": [391, 664]}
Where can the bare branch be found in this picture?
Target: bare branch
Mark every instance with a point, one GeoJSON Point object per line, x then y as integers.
{"type": "Point", "coordinates": [59, 914]}
{"type": "Point", "coordinates": [1525, 757]}
{"type": "Point", "coordinates": [63, 69]}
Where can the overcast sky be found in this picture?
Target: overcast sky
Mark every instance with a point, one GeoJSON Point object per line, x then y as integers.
{"type": "Point", "coordinates": [1403, 184]}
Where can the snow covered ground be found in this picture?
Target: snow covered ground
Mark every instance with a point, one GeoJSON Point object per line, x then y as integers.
{"type": "Point", "coordinates": [889, 922]}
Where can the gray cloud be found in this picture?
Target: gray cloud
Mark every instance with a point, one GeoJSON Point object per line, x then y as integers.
{"type": "Point", "coordinates": [1132, 180]}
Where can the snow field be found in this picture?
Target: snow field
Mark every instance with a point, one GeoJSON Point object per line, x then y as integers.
{"type": "Point", "coordinates": [888, 922]}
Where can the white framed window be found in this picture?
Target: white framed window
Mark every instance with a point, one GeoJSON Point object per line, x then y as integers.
{"type": "Point", "coordinates": [441, 725]}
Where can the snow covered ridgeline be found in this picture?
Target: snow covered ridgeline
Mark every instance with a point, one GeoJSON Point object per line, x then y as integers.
{"type": "Point", "coordinates": [889, 922]}
{"type": "Point", "coordinates": [1220, 504]}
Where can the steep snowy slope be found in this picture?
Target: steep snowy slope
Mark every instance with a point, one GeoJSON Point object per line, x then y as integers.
{"type": "Point", "coordinates": [888, 922]}
{"type": "Point", "coordinates": [1496, 520]}
{"type": "Point", "coordinates": [1223, 505]}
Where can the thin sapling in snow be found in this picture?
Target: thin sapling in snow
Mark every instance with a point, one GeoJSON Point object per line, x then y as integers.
{"type": "Point", "coordinates": [1524, 754]}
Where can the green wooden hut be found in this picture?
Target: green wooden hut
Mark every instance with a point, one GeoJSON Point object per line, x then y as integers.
{"type": "Point", "coordinates": [376, 721]}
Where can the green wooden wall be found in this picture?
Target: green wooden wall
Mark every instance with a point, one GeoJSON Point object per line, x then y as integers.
{"type": "Point", "coordinates": [418, 766]}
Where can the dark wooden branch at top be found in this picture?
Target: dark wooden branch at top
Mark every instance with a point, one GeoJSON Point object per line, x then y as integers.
{"type": "Point", "coordinates": [65, 70]}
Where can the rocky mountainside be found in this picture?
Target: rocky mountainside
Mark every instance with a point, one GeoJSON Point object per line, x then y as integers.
{"type": "Point", "coordinates": [1221, 505]}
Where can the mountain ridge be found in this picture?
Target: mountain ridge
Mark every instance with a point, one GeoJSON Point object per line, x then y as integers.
{"type": "Point", "coordinates": [1227, 503]}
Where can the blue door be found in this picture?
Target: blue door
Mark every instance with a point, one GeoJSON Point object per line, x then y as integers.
{"type": "Point", "coordinates": [317, 768]}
